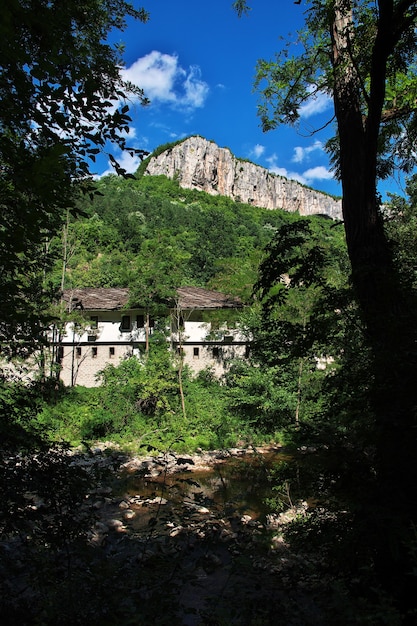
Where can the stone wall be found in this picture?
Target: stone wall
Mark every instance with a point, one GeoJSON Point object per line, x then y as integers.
{"type": "Point", "coordinates": [201, 164]}
{"type": "Point", "coordinates": [216, 357]}
{"type": "Point", "coordinates": [88, 360]}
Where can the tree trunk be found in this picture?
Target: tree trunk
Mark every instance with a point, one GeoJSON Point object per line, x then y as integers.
{"type": "Point", "coordinates": [147, 324]}
{"type": "Point", "coordinates": [389, 318]}
{"type": "Point", "coordinates": [181, 386]}
{"type": "Point", "coordinates": [390, 322]}
{"type": "Point", "coordinates": [298, 405]}
{"type": "Point", "coordinates": [180, 330]}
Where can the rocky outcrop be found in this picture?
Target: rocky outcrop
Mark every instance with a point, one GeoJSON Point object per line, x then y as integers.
{"type": "Point", "coordinates": [200, 164]}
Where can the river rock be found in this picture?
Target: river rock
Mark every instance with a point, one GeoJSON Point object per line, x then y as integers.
{"type": "Point", "coordinates": [117, 525]}
{"type": "Point", "coordinates": [157, 500]}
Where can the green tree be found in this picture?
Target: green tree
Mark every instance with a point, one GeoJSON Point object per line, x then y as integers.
{"type": "Point", "coordinates": [401, 226]}
{"type": "Point", "coordinates": [363, 54]}
{"type": "Point", "coordinates": [224, 239]}
{"type": "Point", "coordinates": [236, 275]}
{"type": "Point", "coordinates": [296, 322]}
{"type": "Point", "coordinates": [63, 101]}
{"type": "Point", "coordinates": [145, 386]}
{"type": "Point", "coordinates": [158, 270]}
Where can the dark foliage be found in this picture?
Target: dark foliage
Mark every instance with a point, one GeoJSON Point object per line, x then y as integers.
{"type": "Point", "coordinates": [62, 102]}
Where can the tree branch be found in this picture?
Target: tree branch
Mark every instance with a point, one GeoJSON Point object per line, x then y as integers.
{"type": "Point", "coordinates": [397, 113]}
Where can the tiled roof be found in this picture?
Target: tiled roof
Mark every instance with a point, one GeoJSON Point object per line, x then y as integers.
{"type": "Point", "coordinates": [115, 298]}
{"type": "Point", "coordinates": [199, 298]}
{"type": "Point", "coordinates": [97, 299]}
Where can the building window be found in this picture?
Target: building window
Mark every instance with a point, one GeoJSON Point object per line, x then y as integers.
{"type": "Point", "coordinates": [196, 353]}
{"type": "Point", "coordinates": [78, 352]}
{"type": "Point", "coordinates": [94, 352]}
{"type": "Point", "coordinates": [151, 322]}
{"type": "Point", "coordinates": [140, 321]}
{"type": "Point", "coordinates": [111, 352]}
{"type": "Point", "coordinates": [94, 321]}
{"type": "Point", "coordinates": [125, 325]}
{"type": "Point", "coordinates": [216, 352]}
{"type": "Point", "coordinates": [180, 351]}
{"type": "Point", "coordinates": [247, 352]}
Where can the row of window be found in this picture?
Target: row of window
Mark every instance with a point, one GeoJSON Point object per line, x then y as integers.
{"type": "Point", "coordinates": [196, 352]}
{"type": "Point", "coordinates": [94, 351]}
{"type": "Point", "coordinates": [216, 351]}
{"type": "Point", "coordinates": [126, 322]}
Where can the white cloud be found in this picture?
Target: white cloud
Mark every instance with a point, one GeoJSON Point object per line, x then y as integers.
{"type": "Point", "coordinates": [257, 151]}
{"type": "Point", "coordinates": [272, 160]}
{"type": "Point", "coordinates": [282, 171]}
{"type": "Point", "coordinates": [196, 90]}
{"type": "Point", "coordinates": [318, 103]}
{"type": "Point", "coordinates": [298, 177]}
{"type": "Point", "coordinates": [279, 171]}
{"type": "Point", "coordinates": [306, 178]}
{"type": "Point", "coordinates": [126, 161]}
{"type": "Point", "coordinates": [165, 81]}
{"type": "Point", "coordinates": [317, 173]}
{"type": "Point", "coordinates": [155, 73]}
{"type": "Point", "coordinates": [300, 154]}
{"type": "Point", "coordinates": [132, 132]}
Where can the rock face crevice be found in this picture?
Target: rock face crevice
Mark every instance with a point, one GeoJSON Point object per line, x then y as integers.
{"type": "Point", "coordinates": [200, 164]}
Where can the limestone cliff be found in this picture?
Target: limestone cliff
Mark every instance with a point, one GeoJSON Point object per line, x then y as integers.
{"type": "Point", "coordinates": [201, 164]}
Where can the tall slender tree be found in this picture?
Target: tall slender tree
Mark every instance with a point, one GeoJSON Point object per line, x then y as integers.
{"type": "Point", "coordinates": [159, 269]}
{"type": "Point", "coordinates": [363, 55]}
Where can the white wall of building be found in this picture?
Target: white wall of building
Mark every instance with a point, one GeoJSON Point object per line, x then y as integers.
{"type": "Point", "coordinates": [86, 350]}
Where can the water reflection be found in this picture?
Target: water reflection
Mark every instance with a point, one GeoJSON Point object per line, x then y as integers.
{"type": "Point", "coordinates": [232, 486]}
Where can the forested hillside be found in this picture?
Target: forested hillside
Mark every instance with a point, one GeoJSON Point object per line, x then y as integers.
{"type": "Point", "coordinates": [187, 236]}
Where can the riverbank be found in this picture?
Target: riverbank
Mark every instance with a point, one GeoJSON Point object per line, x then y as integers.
{"type": "Point", "coordinates": [223, 564]}
{"type": "Point", "coordinates": [105, 538]}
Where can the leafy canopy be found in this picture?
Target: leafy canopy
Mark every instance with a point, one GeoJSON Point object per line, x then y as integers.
{"type": "Point", "coordinates": [63, 101]}
{"type": "Point", "coordinates": [61, 87]}
{"type": "Point", "coordinates": [151, 235]}
{"type": "Point", "coordinates": [315, 65]}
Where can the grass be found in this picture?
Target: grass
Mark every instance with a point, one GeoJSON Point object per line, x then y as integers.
{"type": "Point", "coordinates": [78, 415]}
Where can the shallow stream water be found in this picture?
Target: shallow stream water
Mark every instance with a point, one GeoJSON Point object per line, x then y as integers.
{"type": "Point", "coordinates": [233, 486]}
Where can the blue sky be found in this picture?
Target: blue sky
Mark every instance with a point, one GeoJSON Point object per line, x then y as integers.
{"type": "Point", "coordinates": [196, 62]}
